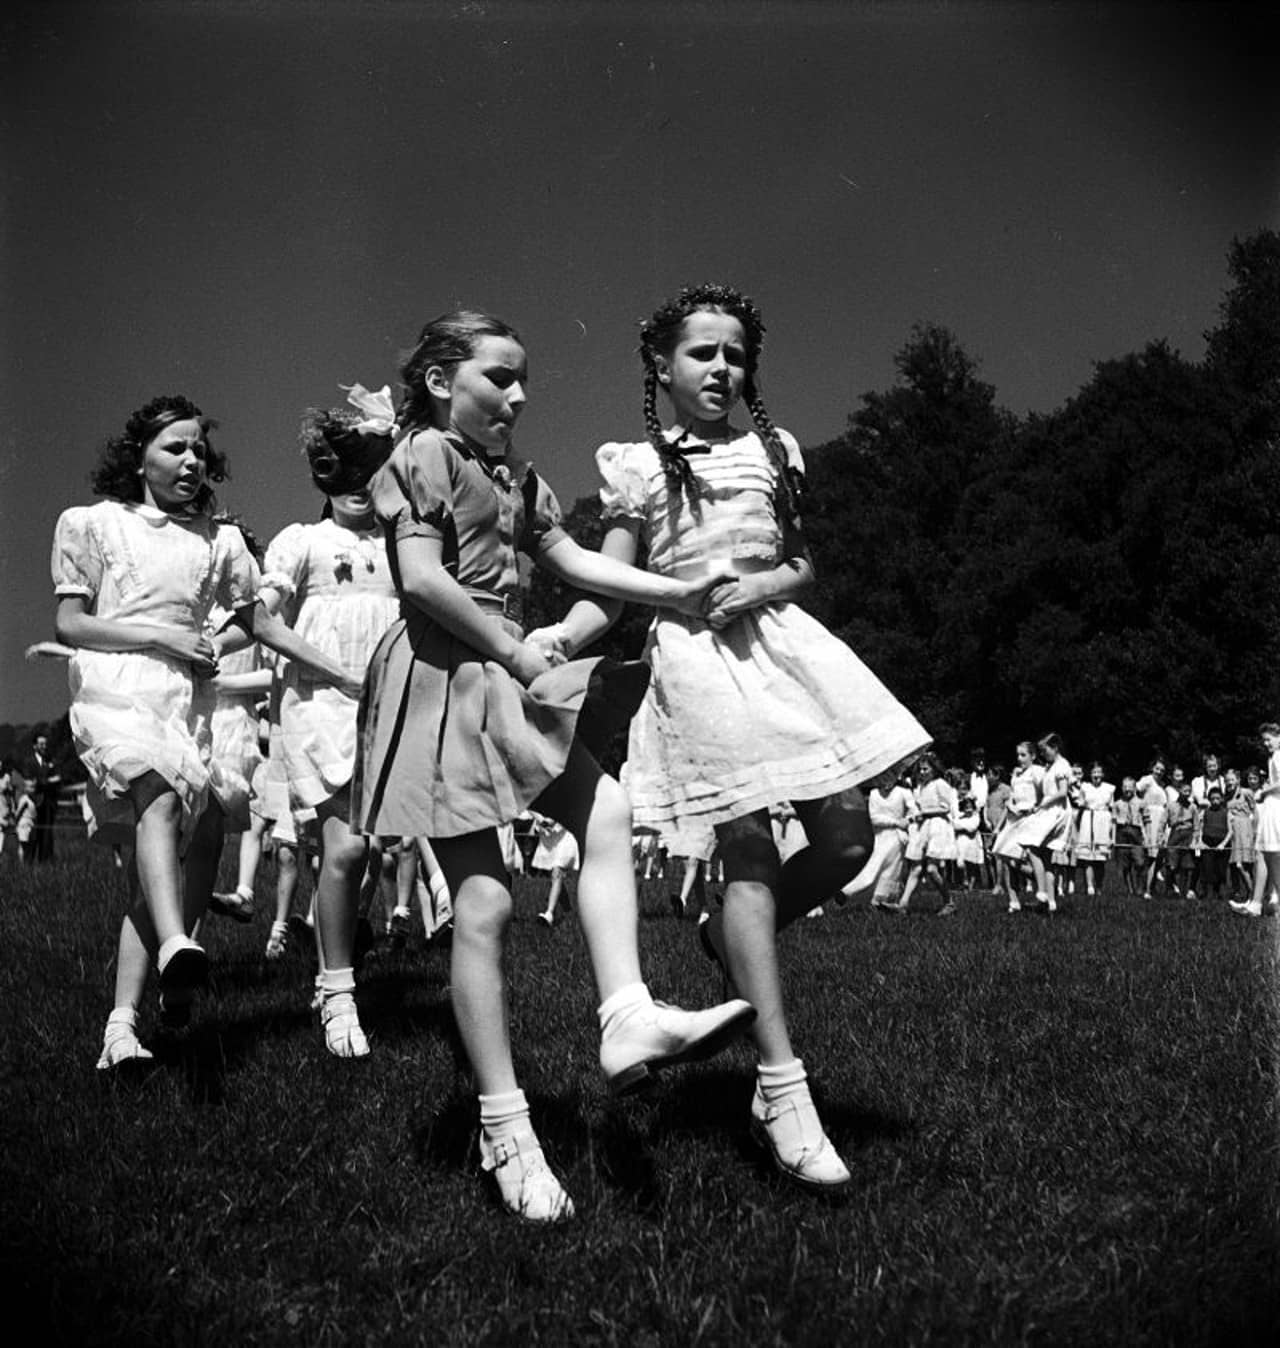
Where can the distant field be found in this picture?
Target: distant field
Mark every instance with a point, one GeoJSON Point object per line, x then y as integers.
{"type": "Point", "coordinates": [1062, 1132]}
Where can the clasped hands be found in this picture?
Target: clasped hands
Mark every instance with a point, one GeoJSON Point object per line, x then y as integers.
{"type": "Point", "coordinates": [717, 601]}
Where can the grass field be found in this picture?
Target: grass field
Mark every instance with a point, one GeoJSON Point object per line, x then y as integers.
{"type": "Point", "coordinates": [1062, 1132]}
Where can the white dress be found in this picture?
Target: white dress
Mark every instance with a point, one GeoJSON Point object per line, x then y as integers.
{"type": "Point", "coordinates": [1048, 825]}
{"type": "Point", "coordinates": [1155, 813]}
{"type": "Point", "coordinates": [1267, 838]}
{"type": "Point", "coordinates": [235, 731]}
{"type": "Point", "coordinates": [339, 596]}
{"type": "Point", "coordinates": [134, 712]}
{"type": "Point", "coordinates": [1024, 795]}
{"type": "Point", "coordinates": [1096, 831]}
{"type": "Point", "coordinates": [968, 843]}
{"type": "Point", "coordinates": [771, 707]}
{"type": "Point", "coordinates": [890, 813]}
{"type": "Point", "coordinates": [557, 848]}
{"type": "Point", "coordinates": [935, 839]}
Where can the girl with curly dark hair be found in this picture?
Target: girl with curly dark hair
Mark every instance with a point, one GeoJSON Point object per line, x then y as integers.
{"type": "Point", "coordinates": [136, 577]}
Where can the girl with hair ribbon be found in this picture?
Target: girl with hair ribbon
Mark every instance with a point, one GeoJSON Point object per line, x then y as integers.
{"type": "Point", "coordinates": [752, 701]}
{"type": "Point", "coordinates": [331, 582]}
{"type": "Point", "coordinates": [465, 724]}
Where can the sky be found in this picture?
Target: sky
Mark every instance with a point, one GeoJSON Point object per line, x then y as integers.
{"type": "Point", "coordinates": [253, 203]}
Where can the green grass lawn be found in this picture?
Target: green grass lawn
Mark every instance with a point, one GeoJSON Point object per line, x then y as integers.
{"type": "Point", "coordinates": [1061, 1131]}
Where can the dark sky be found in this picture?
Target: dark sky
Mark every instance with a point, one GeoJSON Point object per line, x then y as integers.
{"type": "Point", "coordinates": [253, 202]}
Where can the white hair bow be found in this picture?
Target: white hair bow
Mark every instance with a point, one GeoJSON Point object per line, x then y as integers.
{"type": "Point", "coordinates": [378, 409]}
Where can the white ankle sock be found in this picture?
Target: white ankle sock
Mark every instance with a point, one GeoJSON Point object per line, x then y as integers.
{"type": "Point", "coordinates": [171, 948]}
{"type": "Point", "coordinates": [778, 1080]}
{"type": "Point", "coordinates": [331, 981]}
{"type": "Point", "coordinates": [626, 999]}
{"type": "Point", "coordinates": [505, 1116]}
{"type": "Point", "coordinates": [122, 1016]}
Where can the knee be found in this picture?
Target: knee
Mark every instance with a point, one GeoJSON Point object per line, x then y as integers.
{"type": "Point", "coordinates": [482, 911]}
{"type": "Point", "coordinates": [750, 854]}
{"type": "Point", "coordinates": [346, 855]}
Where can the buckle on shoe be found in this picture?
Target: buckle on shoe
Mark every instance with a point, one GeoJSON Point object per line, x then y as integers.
{"type": "Point", "coordinates": [495, 1155]}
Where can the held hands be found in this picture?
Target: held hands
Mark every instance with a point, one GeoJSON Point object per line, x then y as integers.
{"type": "Point", "coordinates": [193, 648]}
{"type": "Point", "coordinates": [526, 663]}
{"type": "Point", "coordinates": [728, 597]}
{"type": "Point", "coordinates": [552, 643]}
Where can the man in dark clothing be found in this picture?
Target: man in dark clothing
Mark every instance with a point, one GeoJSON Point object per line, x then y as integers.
{"type": "Point", "coordinates": [43, 782]}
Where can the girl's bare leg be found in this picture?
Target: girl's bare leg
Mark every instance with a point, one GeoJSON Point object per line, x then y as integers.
{"type": "Point", "coordinates": [638, 1036]}
{"type": "Point", "coordinates": [595, 809]}
{"type": "Point", "coordinates": [913, 883]}
{"type": "Point", "coordinates": [337, 904]}
{"type": "Point", "coordinates": [553, 894]}
{"type": "Point", "coordinates": [337, 898]}
{"type": "Point", "coordinates": [477, 879]}
{"type": "Point", "coordinates": [159, 819]}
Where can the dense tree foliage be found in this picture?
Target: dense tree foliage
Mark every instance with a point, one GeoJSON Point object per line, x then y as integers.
{"type": "Point", "coordinates": [1107, 571]}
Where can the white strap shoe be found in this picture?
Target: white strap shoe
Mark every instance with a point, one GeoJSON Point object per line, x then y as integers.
{"type": "Point", "coordinates": [791, 1130]}
{"type": "Point", "coordinates": [342, 1033]}
{"type": "Point", "coordinates": [120, 1043]}
{"type": "Point", "coordinates": [525, 1181]}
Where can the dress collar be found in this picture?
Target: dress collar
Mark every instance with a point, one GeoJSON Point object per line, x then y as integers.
{"type": "Point", "coordinates": [504, 470]}
{"type": "Point", "coordinates": [157, 517]}
{"type": "Point", "coordinates": [687, 442]}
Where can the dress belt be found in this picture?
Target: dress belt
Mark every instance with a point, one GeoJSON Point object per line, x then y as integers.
{"type": "Point", "coordinates": [503, 605]}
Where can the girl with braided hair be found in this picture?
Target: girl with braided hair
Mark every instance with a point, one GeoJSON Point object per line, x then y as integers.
{"type": "Point", "coordinates": [752, 701]}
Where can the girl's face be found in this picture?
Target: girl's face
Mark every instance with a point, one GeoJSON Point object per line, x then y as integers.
{"type": "Point", "coordinates": [1178, 777]}
{"type": "Point", "coordinates": [1077, 773]}
{"type": "Point", "coordinates": [352, 509]}
{"type": "Point", "coordinates": [1211, 766]}
{"type": "Point", "coordinates": [173, 466]}
{"type": "Point", "coordinates": [704, 373]}
{"type": "Point", "coordinates": [924, 772]}
{"type": "Point", "coordinates": [1157, 769]}
{"type": "Point", "coordinates": [1024, 755]}
{"type": "Point", "coordinates": [1232, 779]}
{"type": "Point", "coordinates": [1128, 787]}
{"type": "Point", "coordinates": [1095, 774]}
{"type": "Point", "coordinates": [1253, 777]}
{"type": "Point", "coordinates": [1271, 742]}
{"type": "Point", "coordinates": [485, 393]}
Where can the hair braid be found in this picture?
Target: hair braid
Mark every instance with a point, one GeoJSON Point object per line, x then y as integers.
{"type": "Point", "coordinates": [790, 485]}
{"type": "Point", "coordinates": [675, 465]}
